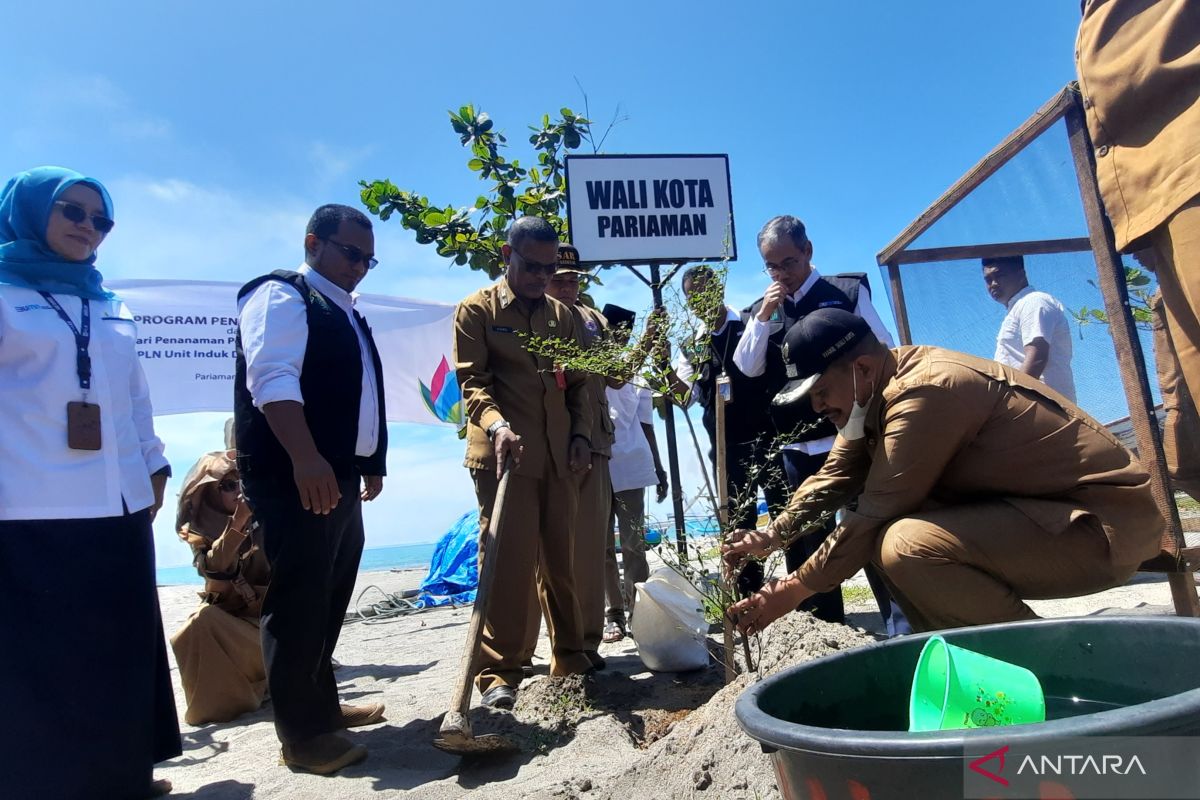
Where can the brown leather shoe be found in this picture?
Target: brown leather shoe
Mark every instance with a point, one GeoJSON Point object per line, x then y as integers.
{"type": "Point", "coordinates": [322, 755]}
{"type": "Point", "coordinates": [357, 716]}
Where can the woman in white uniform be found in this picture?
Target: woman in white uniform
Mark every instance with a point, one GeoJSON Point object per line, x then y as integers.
{"type": "Point", "coordinates": [84, 682]}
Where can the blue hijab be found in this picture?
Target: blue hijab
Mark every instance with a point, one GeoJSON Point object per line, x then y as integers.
{"type": "Point", "coordinates": [25, 259]}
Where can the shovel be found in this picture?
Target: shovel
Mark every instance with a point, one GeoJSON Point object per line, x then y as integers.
{"type": "Point", "coordinates": [455, 734]}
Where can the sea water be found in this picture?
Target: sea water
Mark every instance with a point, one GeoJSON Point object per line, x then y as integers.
{"type": "Point", "coordinates": [405, 556]}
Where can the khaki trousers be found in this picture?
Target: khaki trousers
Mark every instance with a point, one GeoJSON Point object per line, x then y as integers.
{"type": "Point", "coordinates": [536, 537]}
{"type": "Point", "coordinates": [1176, 245]}
{"type": "Point", "coordinates": [629, 510]}
{"type": "Point", "coordinates": [587, 560]}
{"type": "Point", "coordinates": [977, 564]}
{"type": "Point", "coordinates": [1181, 429]}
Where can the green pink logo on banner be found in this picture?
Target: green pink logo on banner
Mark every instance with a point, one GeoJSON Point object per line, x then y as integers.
{"type": "Point", "coordinates": [442, 396]}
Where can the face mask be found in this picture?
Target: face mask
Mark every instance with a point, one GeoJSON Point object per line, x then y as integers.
{"type": "Point", "coordinates": [855, 427]}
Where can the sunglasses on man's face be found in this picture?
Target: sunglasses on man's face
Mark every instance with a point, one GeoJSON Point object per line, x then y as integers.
{"type": "Point", "coordinates": [355, 255]}
{"type": "Point", "coordinates": [228, 485]}
{"type": "Point", "coordinates": [532, 266]}
{"type": "Point", "coordinates": [77, 214]}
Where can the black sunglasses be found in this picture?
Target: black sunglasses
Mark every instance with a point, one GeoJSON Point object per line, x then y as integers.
{"type": "Point", "coordinates": [533, 266]}
{"type": "Point", "coordinates": [353, 254]}
{"type": "Point", "coordinates": [77, 214]}
{"type": "Point", "coordinates": [228, 485]}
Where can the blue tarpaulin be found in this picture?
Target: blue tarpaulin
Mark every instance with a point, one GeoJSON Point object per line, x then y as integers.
{"type": "Point", "coordinates": [454, 568]}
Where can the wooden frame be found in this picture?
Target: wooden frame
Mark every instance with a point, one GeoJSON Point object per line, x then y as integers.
{"type": "Point", "coordinates": [1177, 560]}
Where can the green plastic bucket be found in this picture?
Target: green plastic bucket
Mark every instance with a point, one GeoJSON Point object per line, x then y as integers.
{"type": "Point", "coordinates": [955, 688]}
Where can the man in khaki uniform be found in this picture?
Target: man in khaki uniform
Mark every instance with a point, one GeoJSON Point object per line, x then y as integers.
{"type": "Point", "coordinates": [518, 404]}
{"type": "Point", "coordinates": [977, 488]}
{"type": "Point", "coordinates": [1139, 72]}
{"type": "Point", "coordinates": [595, 486]}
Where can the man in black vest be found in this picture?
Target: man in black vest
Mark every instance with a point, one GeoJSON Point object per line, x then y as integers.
{"type": "Point", "coordinates": [749, 432]}
{"type": "Point", "coordinates": [796, 290]}
{"type": "Point", "coordinates": [312, 441]}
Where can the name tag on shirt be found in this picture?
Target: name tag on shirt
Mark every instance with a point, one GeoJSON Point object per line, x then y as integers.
{"type": "Point", "coordinates": [501, 329]}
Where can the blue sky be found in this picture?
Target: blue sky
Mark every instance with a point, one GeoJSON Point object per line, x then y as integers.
{"type": "Point", "coordinates": [218, 127]}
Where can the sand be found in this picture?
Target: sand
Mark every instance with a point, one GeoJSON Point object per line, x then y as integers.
{"type": "Point", "coordinates": [626, 733]}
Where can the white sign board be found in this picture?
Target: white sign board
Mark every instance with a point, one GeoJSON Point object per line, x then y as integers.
{"type": "Point", "coordinates": [187, 331]}
{"type": "Point", "coordinates": [633, 209]}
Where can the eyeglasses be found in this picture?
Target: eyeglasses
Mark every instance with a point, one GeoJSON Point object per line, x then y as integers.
{"type": "Point", "coordinates": [229, 485]}
{"type": "Point", "coordinates": [787, 265]}
{"type": "Point", "coordinates": [532, 266]}
{"type": "Point", "coordinates": [77, 214]}
{"type": "Point", "coordinates": [355, 255]}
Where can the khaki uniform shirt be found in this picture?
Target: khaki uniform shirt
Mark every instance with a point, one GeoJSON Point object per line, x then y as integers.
{"type": "Point", "coordinates": [951, 429]}
{"type": "Point", "coordinates": [591, 326]}
{"type": "Point", "coordinates": [1139, 72]}
{"type": "Point", "coordinates": [501, 379]}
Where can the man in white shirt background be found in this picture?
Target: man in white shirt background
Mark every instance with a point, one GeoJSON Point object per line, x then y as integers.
{"type": "Point", "coordinates": [312, 444]}
{"type": "Point", "coordinates": [1035, 336]}
{"type": "Point", "coordinates": [751, 466]}
{"type": "Point", "coordinates": [635, 464]}
{"type": "Point", "coordinates": [796, 290]}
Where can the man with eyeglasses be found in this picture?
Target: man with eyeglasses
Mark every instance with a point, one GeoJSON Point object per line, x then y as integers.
{"type": "Point", "coordinates": [797, 290]}
{"type": "Point", "coordinates": [312, 443]}
{"type": "Point", "coordinates": [524, 411]}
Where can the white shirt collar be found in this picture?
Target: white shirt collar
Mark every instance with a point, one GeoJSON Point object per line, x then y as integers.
{"type": "Point", "coordinates": [1013, 300]}
{"type": "Point", "coordinates": [730, 316]}
{"type": "Point", "coordinates": [813, 276]}
{"type": "Point", "coordinates": [328, 288]}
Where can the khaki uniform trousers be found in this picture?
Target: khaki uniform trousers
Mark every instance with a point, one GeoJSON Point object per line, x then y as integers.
{"type": "Point", "coordinates": [536, 538]}
{"type": "Point", "coordinates": [629, 511]}
{"type": "Point", "coordinates": [1181, 429]}
{"type": "Point", "coordinates": [1176, 245]}
{"type": "Point", "coordinates": [587, 562]}
{"type": "Point", "coordinates": [977, 564]}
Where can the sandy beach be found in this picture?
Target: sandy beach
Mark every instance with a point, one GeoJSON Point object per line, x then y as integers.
{"type": "Point", "coordinates": [631, 733]}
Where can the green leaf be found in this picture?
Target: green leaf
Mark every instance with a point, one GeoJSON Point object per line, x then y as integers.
{"type": "Point", "coordinates": [475, 164]}
{"type": "Point", "coordinates": [433, 218]}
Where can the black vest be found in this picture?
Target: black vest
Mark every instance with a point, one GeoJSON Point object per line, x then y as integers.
{"type": "Point", "coordinates": [836, 291]}
{"type": "Point", "coordinates": [331, 384]}
{"type": "Point", "coordinates": [746, 418]}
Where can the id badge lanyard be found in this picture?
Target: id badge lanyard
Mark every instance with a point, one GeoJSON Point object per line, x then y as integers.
{"type": "Point", "coordinates": [83, 336]}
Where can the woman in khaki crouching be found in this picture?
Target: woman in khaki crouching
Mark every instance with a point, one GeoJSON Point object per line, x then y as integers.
{"type": "Point", "coordinates": [218, 649]}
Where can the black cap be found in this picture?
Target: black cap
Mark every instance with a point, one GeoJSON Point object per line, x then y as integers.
{"type": "Point", "coordinates": [618, 316]}
{"type": "Point", "coordinates": [815, 342]}
{"type": "Point", "coordinates": [568, 259]}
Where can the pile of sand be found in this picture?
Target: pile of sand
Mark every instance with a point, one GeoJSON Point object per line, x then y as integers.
{"type": "Point", "coordinates": [676, 752]}
{"type": "Point", "coordinates": [707, 750]}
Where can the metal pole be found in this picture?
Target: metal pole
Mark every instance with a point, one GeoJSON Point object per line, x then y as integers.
{"type": "Point", "coordinates": [669, 422]}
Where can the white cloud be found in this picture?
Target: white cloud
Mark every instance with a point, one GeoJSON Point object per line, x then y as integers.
{"type": "Point", "coordinates": [55, 103]}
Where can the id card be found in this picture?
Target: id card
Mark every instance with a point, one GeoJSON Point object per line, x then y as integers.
{"type": "Point", "coordinates": [83, 426]}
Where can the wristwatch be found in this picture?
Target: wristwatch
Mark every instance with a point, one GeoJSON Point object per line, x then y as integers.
{"type": "Point", "coordinates": [495, 426]}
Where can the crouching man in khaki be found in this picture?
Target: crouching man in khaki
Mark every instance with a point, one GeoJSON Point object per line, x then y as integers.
{"type": "Point", "coordinates": [977, 487]}
{"type": "Point", "coordinates": [518, 404]}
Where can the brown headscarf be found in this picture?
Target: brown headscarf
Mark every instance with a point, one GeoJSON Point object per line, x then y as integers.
{"type": "Point", "coordinates": [197, 512]}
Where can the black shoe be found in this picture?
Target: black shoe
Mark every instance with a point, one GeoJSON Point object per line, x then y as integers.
{"type": "Point", "coordinates": [500, 697]}
{"type": "Point", "coordinates": [527, 668]}
{"type": "Point", "coordinates": [594, 657]}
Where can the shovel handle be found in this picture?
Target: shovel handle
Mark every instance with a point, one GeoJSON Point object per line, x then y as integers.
{"type": "Point", "coordinates": [461, 700]}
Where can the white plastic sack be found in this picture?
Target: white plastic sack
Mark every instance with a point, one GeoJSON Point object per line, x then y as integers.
{"type": "Point", "coordinates": [668, 624]}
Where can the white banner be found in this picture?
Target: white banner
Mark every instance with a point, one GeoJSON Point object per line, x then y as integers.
{"type": "Point", "coordinates": [633, 209]}
{"type": "Point", "coordinates": [187, 330]}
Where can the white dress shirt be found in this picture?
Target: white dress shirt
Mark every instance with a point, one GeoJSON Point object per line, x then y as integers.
{"type": "Point", "coordinates": [1032, 315]}
{"type": "Point", "coordinates": [685, 370]}
{"type": "Point", "coordinates": [273, 321]}
{"type": "Point", "coordinates": [751, 353]}
{"type": "Point", "coordinates": [632, 462]}
{"type": "Point", "coordinates": [41, 478]}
